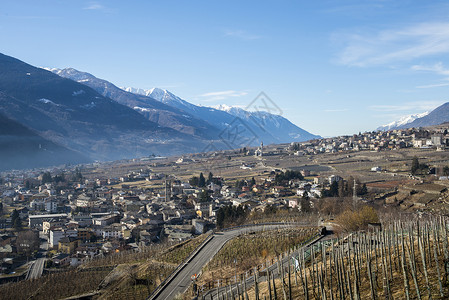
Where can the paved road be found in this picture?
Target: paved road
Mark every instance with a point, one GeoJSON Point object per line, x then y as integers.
{"type": "Point", "coordinates": [182, 281]}
{"type": "Point", "coordinates": [36, 269]}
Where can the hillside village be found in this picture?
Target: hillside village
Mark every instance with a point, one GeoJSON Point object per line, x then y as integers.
{"type": "Point", "coordinates": [73, 214]}
{"type": "Point", "coordinates": [436, 137]}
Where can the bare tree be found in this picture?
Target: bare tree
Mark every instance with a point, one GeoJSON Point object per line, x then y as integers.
{"type": "Point", "coordinates": [27, 242]}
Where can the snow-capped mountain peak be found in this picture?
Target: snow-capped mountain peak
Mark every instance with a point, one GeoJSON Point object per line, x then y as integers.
{"type": "Point", "coordinates": [404, 120]}
{"type": "Point", "coordinates": [205, 121]}
{"type": "Point", "coordinates": [161, 95]}
{"type": "Point", "coordinates": [234, 110]}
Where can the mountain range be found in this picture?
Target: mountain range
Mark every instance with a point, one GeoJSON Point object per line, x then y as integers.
{"type": "Point", "coordinates": [269, 128]}
{"type": "Point", "coordinates": [437, 116]}
{"type": "Point", "coordinates": [78, 118]}
{"type": "Point", "coordinates": [20, 147]}
{"type": "Point", "coordinates": [203, 121]}
{"type": "Point", "coordinates": [72, 116]}
{"type": "Point", "coordinates": [403, 121]}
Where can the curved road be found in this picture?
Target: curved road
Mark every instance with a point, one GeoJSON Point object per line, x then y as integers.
{"type": "Point", "coordinates": [180, 283]}
{"type": "Point", "coordinates": [36, 269]}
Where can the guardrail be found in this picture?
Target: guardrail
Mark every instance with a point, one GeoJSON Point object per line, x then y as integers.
{"type": "Point", "coordinates": [179, 268]}
{"type": "Point", "coordinates": [307, 243]}
{"type": "Point", "coordinates": [27, 276]}
{"type": "Point", "coordinates": [264, 224]}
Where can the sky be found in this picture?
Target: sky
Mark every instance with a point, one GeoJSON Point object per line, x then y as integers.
{"type": "Point", "coordinates": [332, 67]}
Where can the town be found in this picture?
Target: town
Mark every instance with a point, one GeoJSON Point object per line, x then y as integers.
{"type": "Point", "coordinates": [70, 215]}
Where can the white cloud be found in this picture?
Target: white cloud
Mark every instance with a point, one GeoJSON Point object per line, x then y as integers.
{"type": "Point", "coordinates": [387, 46]}
{"type": "Point", "coordinates": [94, 6]}
{"type": "Point", "coordinates": [241, 34]}
{"type": "Point", "coordinates": [437, 68]}
{"type": "Point", "coordinates": [429, 86]}
{"type": "Point", "coordinates": [221, 95]}
{"type": "Point", "coordinates": [418, 106]}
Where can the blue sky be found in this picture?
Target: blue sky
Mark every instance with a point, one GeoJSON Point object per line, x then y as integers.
{"type": "Point", "coordinates": [332, 67]}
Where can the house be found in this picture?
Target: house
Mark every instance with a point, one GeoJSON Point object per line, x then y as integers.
{"type": "Point", "coordinates": [294, 203]}
{"type": "Point", "coordinates": [334, 178]}
{"type": "Point", "coordinates": [37, 220]}
{"type": "Point", "coordinates": [277, 189]}
{"type": "Point", "coordinates": [315, 193]}
{"type": "Point", "coordinates": [85, 234]}
{"type": "Point", "coordinates": [112, 231]}
{"type": "Point", "coordinates": [183, 160]}
{"type": "Point", "coordinates": [300, 192]}
{"type": "Point", "coordinates": [61, 259]}
{"type": "Point", "coordinates": [199, 225]}
{"type": "Point", "coordinates": [57, 234]}
{"type": "Point", "coordinates": [244, 202]}
{"type": "Point", "coordinates": [68, 245]}
{"type": "Point", "coordinates": [305, 173]}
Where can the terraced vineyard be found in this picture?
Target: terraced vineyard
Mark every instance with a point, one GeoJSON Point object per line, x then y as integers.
{"type": "Point", "coordinates": [245, 252]}
{"type": "Point", "coordinates": [405, 260]}
{"type": "Point", "coordinates": [123, 275]}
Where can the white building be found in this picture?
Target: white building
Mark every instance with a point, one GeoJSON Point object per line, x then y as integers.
{"type": "Point", "coordinates": [58, 234]}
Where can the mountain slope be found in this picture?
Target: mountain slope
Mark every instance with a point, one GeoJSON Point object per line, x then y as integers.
{"type": "Point", "coordinates": [79, 118]}
{"type": "Point", "coordinates": [21, 148]}
{"type": "Point", "coordinates": [278, 127]}
{"type": "Point", "coordinates": [155, 111]}
{"type": "Point", "coordinates": [169, 110]}
{"type": "Point", "coordinates": [403, 121]}
{"type": "Point", "coordinates": [267, 127]}
{"type": "Point", "coordinates": [438, 116]}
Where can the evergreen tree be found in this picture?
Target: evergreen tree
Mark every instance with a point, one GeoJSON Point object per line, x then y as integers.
{"type": "Point", "coordinates": [220, 218]}
{"type": "Point", "coordinates": [253, 181]}
{"type": "Point", "coordinates": [194, 181]}
{"type": "Point", "coordinates": [17, 225]}
{"type": "Point", "coordinates": [350, 186]}
{"type": "Point", "coordinates": [46, 177]}
{"type": "Point", "coordinates": [415, 165]}
{"type": "Point", "coordinates": [333, 189]}
{"type": "Point", "coordinates": [364, 190]}
{"type": "Point", "coordinates": [202, 181]}
{"type": "Point", "coordinates": [204, 196]}
{"type": "Point", "coordinates": [77, 177]}
{"type": "Point", "coordinates": [14, 215]}
{"type": "Point", "coordinates": [59, 178]}
{"type": "Point", "coordinates": [15, 220]}
{"type": "Point", "coordinates": [341, 188]}
{"type": "Point", "coordinates": [446, 171]}
{"type": "Point", "coordinates": [305, 203]}
{"type": "Point", "coordinates": [210, 178]}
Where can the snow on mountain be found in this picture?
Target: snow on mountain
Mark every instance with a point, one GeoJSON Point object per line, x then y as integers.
{"type": "Point", "coordinates": [262, 126]}
{"type": "Point", "coordinates": [402, 121]}
{"type": "Point", "coordinates": [138, 91]}
{"type": "Point", "coordinates": [165, 97]}
{"type": "Point", "coordinates": [154, 110]}
{"type": "Point", "coordinates": [265, 126]}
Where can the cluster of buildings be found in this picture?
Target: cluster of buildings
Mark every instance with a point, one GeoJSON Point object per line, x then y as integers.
{"type": "Point", "coordinates": [376, 141]}
{"type": "Point", "coordinates": [81, 220]}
